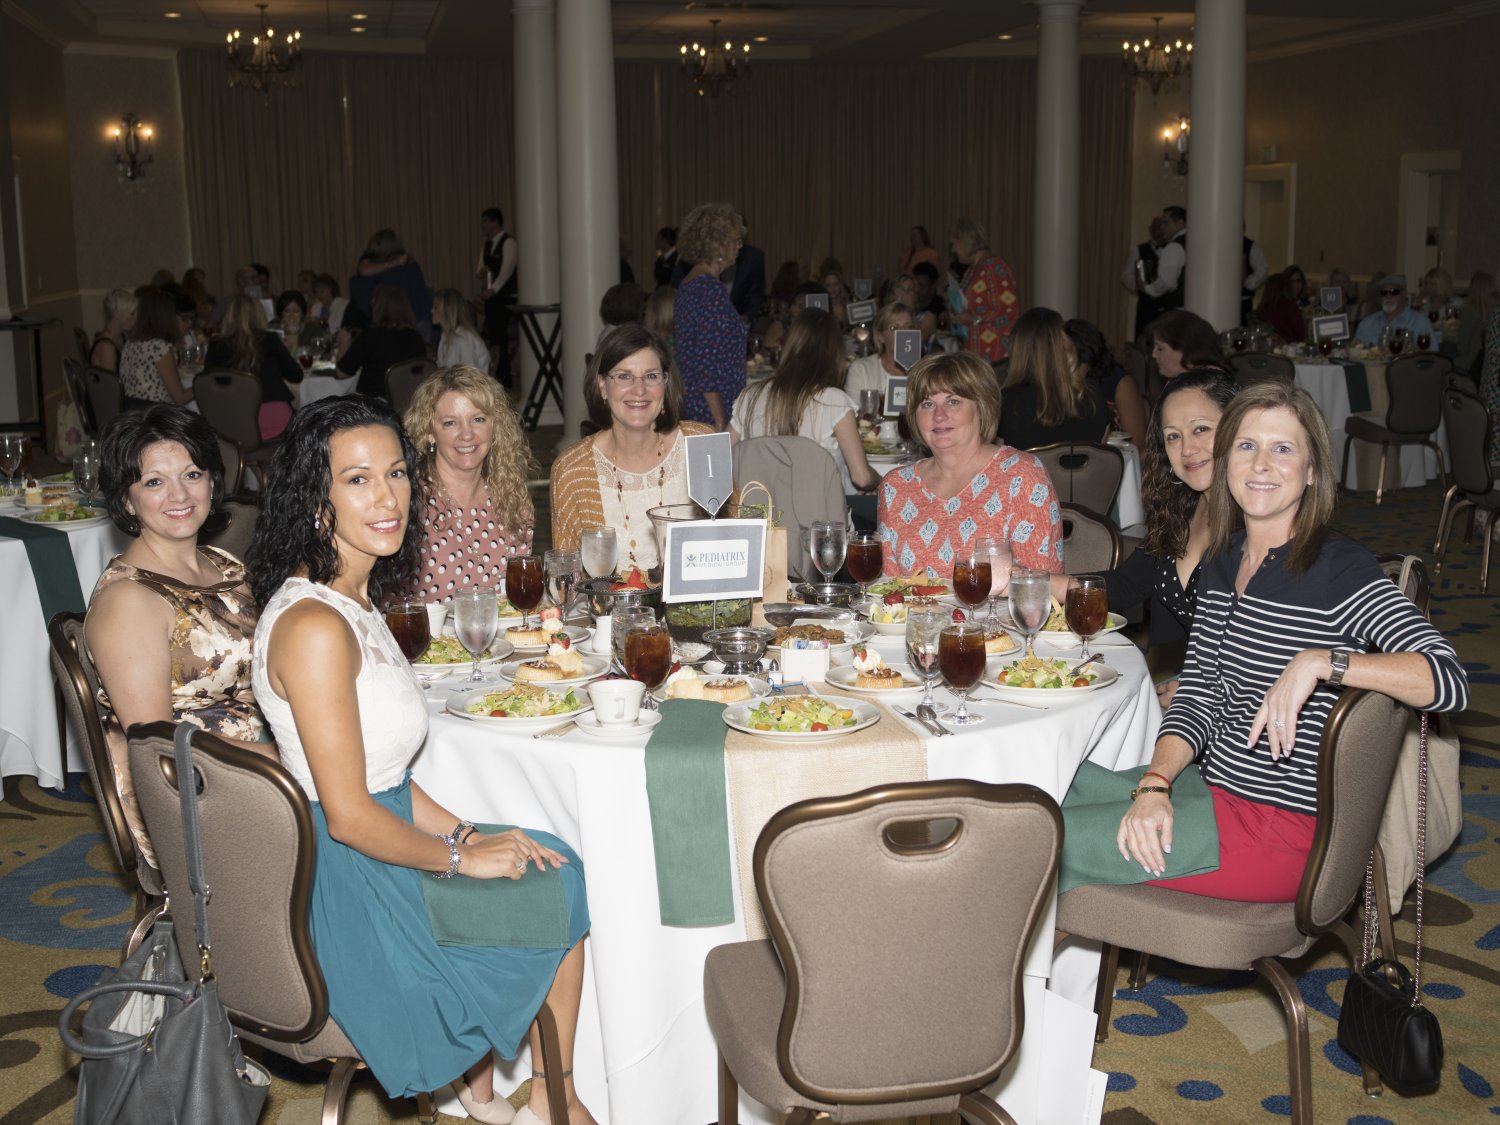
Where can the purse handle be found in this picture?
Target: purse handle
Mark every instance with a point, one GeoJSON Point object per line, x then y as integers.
{"type": "Point", "coordinates": [192, 844]}
{"type": "Point", "coordinates": [1368, 945]}
{"type": "Point", "coordinates": [181, 991]}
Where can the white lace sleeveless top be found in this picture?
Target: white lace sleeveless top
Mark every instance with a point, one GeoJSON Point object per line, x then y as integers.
{"type": "Point", "coordinates": [392, 710]}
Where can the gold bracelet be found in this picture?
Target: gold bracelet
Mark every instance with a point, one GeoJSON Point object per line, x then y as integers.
{"type": "Point", "coordinates": [1139, 789]}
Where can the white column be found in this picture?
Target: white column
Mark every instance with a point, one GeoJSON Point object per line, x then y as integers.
{"type": "Point", "coordinates": [589, 192]}
{"type": "Point", "coordinates": [1057, 133]}
{"type": "Point", "coordinates": [534, 223]}
{"type": "Point", "coordinates": [1216, 163]}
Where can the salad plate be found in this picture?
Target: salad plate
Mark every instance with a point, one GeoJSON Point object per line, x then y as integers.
{"type": "Point", "coordinates": [1044, 673]}
{"type": "Point", "coordinates": [526, 708]}
{"type": "Point", "coordinates": [801, 718]}
{"type": "Point", "coordinates": [41, 519]}
{"type": "Point", "coordinates": [445, 654]}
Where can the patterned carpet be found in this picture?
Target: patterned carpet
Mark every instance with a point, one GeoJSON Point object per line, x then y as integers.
{"type": "Point", "coordinates": [1185, 1047]}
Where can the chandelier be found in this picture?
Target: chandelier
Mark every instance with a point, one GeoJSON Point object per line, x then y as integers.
{"type": "Point", "coordinates": [1156, 61]}
{"type": "Point", "coordinates": [267, 64]}
{"type": "Point", "coordinates": [714, 68]}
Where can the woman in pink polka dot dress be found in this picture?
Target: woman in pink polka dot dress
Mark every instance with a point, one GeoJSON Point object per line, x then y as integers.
{"type": "Point", "coordinates": [474, 461]}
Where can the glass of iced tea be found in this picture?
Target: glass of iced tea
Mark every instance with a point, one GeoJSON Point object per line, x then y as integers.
{"type": "Point", "coordinates": [648, 656]}
{"type": "Point", "coordinates": [972, 572]}
{"type": "Point", "coordinates": [864, 561]}
{"type": "Point", "coordinates": [961, 660]}
{"type": "Point", "coordinates": [524, 584]}
{"type": "Point", "coordinates": [1087, 607]}
{"type": "Point", "coordinates": [1424, 341]}
{"type": "Point", "coordinates": [407, 621]}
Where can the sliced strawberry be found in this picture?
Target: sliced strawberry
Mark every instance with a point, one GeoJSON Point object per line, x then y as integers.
{"type": "Point", "coordinates": [895, 597]}
{"type": "Point", "coordinates": [676, 667]}
{"type": "Point", "coordinates": [958, 616]}
{"type": "Point", "coordinates": [562, 641]}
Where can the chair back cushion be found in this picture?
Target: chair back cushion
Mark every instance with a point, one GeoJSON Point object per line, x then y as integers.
{"type": "Point", "coordinates": [1468, 424]}
{"type": "Point", "coordinates": [1356, 761]}
{"type": "Point", "coordinates": [1415, 384]}
{"type": "Point", "coordinates": [258, 854]}
{"type": "Point", "coordinates": [402, 380]}
{"type": "Point", "coordinates": [78, 392]}
{"type": "Point", "coordinates": [83, 344]}
{"type": "Point", "coordinates": [903, 959]}
{"type": "Point", "coordinates": [78, 681]}
{"type": "Point", "coordinates": [1409, 573]}
{"type": "Point", "coordinates": [1258, 368]}
{"type": "Point", "coordinates": [230, 402]}
{"type": "Point", "coordinates": [105, 393]}
{"type": "Point", "coordinates": [231, 528]}
{"type": "Point", "coordinates": [1091, 542]}
{"type": "Point", "coordinates": [804, 483]}
{"type": "Point", "coordinates": [1084, 473]}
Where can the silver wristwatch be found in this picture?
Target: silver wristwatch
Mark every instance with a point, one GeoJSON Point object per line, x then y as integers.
{"type": "Point", "coordinates": [1339, 658]}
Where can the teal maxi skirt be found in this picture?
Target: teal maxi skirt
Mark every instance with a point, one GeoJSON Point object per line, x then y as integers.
{"type": "Point", "coordinates": [422, 1013]}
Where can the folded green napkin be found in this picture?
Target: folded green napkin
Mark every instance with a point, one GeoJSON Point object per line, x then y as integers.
{"type": "Point", "coordinates": [52, 566]}
{"type": "Point", "coordinates": [526, 913]}
{"type": "Point", "coordinates": [1357, 383]}
{"type": "Point", "coordinates": [690, 814]}
{"type": "Point", "coordinates": [1092, 810]}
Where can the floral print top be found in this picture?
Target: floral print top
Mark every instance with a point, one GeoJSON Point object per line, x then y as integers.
{"type": "Point", "coordinates": [710, 346]}
{"type": "Point", "coordinates": [990, 294]}
{"type": "Point", "coordinates": [1010, 497]}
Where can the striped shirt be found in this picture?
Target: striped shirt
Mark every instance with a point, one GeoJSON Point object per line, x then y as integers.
{"type": "Point", "coordinates": [1240, 645]}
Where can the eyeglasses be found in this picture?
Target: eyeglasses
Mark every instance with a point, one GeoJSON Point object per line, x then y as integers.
{"type": "Point", "coordinates": [625, 378]}
{"type": "Point", "coordinates": [1391, 292]}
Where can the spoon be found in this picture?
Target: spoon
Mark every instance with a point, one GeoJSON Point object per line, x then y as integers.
{"type": "Point", "coordinates": [928, 714]}
{"type": "Point", "coordinates": [1081, 665]}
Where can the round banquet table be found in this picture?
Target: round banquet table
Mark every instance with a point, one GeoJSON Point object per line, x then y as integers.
{"type": "Point", "coordinates": [28, 715]}
{"type": "Point", "coordinates": [644, 1049]}
{"type": "Point", "coordinates": [1331, 385]}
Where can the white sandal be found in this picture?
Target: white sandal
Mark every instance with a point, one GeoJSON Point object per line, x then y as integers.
{"type": "Point", "coordinates": [496, 1111]}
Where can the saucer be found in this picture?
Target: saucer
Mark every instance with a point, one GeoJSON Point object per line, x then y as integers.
{"type": "Point", "coordinates": [589, 724]}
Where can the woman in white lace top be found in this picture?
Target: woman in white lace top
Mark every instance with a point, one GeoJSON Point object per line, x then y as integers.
{"type": "Point", "coordinates": [336, 538]}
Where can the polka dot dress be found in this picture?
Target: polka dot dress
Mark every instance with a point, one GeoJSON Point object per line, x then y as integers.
{"type": "Point", "coordinates": [467, 547]}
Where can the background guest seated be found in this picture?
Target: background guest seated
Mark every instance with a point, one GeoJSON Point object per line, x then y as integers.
{"type": "Point", "coordinates": [1183, 341]}
{"type": "Point", "coordinates": [1127, 406]}
{"type": "Point", "coordinates": [244, 344]}
{"type": "Point", "coordinates": [460, 344]}
{"type": "Point", "coordinates": [148, 362]}
{"type": "Point", "coordinates": [119, 320]}
{"type": "Point", "coordinates": [1046, 397]}
{"type": "Point", "coordinates": [392, 338]}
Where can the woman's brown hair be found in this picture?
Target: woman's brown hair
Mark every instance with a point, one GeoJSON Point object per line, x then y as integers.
{"type": "Point", "coordinates": [1041, 354]}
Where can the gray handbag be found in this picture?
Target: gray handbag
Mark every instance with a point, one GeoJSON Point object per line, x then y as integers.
{"type": "Point", "coordinates": [157, 1047]}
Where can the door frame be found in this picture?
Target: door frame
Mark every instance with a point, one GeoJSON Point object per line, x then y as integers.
{"type": "Point", "coordinates": [1411, 210]}
{"type": "Point", "coordinates": [1284, 173]}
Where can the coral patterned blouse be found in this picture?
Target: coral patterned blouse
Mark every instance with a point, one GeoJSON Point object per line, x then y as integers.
{"type": "Point", "coordinates": [1010, 497]}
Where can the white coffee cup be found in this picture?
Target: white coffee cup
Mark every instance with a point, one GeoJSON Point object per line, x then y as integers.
{"type": "Point", "coordinates": [437, 613]}
{"type": "Point", "coordinates": [616, 702]}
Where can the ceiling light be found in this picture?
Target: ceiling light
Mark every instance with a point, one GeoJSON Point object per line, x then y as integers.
{"type": "Point", "coordinates": [356, 29]}
{"type": "Point", "coordinates": [1006, 38]}
{"type": "Point", "coordinates": [762, 38]}
{"type": "Point", "coordinates": [171, 15]}
{"type": "Point", "coordinates": [359, 16]}
{"type": "Point", "coordinates": [268, 63]}
{"type": "Point", "coordinates": [1157, 62]}
{"type": "Point", "coordinates": [712, 68]}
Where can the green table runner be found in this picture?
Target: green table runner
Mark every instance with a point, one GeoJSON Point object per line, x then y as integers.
{"type": "Point", "coordinates": [1097, 800]}
{"type": "Point", "coordinates": [52, 566]}
{"type": "Point", "coordinates": [526, 913]}
{"type": "Point", "coordinates": [1357, 382]}
{"type": "Point", "coordinates": [689, 814]}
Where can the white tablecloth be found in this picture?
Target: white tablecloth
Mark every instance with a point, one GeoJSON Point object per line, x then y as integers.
{"type": "Point", "coordinates": [323, 382]}
{"type": "Point", "coordinates": [28, 713]}
{"type": "Point", "coordinates": [1328, 385]}
{"type": "Point", "coordinates": [645, 1052]}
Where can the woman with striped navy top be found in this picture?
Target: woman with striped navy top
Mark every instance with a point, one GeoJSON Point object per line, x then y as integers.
{"type": "Point", "coordinates": [1286, 613]}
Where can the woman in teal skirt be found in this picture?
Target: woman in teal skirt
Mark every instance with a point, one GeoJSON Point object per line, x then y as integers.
{"type": "Point", "coordinates": [426, 979]}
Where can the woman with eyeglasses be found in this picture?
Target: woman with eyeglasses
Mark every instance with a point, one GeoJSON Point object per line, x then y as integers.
{"type": "Point", "coordinates": [637, 460]}
{"type": "Point", "coordinates": [473, 461]}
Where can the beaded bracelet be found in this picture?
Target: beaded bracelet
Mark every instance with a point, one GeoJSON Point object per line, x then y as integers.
{"type": "Point", "coordinates": [454, 859]}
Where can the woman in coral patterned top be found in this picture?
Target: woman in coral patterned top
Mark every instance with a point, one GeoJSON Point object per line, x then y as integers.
{"type": "Point", "coordinates": [969, 486]}
{"type": "Point", "coordinates": [473, 461]}
{"type": "Point", "coordinates": [990, 302]}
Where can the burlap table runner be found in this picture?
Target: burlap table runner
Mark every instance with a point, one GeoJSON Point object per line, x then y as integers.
{"type": "Point", "coordinates": [766, 775]}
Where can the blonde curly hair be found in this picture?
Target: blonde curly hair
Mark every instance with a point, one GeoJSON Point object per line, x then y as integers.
{"type": "Point", "coordinates": [509, 462]}
{"type": "Point", "coordinates": [709, 231]}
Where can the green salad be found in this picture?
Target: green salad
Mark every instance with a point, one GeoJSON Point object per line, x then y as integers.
{"type": "Point", "coordinates": [1036, 672]}
{"type": "Point", "coordinates": [64, 515]}
{"type": "Point", "coordinates": [447, 650]}
{"type": "Point", "coordinates": [800, 714]}
{"type": "Point", "coordinates": [524, 702]}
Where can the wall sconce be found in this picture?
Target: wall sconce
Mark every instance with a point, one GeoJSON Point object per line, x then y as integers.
{"type": "Point", "coordinates": [133, 143]}
{"type": "Point", "coordinates": [1174, 153]}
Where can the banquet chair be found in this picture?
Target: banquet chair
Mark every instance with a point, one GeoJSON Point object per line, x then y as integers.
{"type": "Point", "coordinates": [1414, 386]}
{"type": "Point", "coordinates": [402, 380]}
{"type": "Point", "coordinates": [1469, 425]}
{"type": "Point", "coordinates": [105, 395]}
{"type": "Point", "coordinates": [1083, 472]}
{"type": "Point", "coordinates": [263, 956]}
{"type": "Point", "coordinates": [82, 343]}
{"type": "Point", "coordinates": [230, 402]}
{"type": "Point", "coordinates": [1252, 368]}
{"type": "Point", "coordinates": [1091, 542]}
{"type": "Point", "coordinates": [804, 484]}
{"type": "Point", "coordinates": [78, 392]}
{"type": "Point", "coordinates": [1462, 382]}
{"type": "Point", "coordinates": [232, 527]}
{"type": "Point", "coordinates": [78, 688]}
{"type": "Point", "coordinates": [845, 1012]}
{"type": "Point", "coordinates": [1356, 762]}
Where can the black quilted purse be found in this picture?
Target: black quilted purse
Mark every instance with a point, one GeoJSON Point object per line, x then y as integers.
{"type": "Point", "coordinates": [1383, 1022]}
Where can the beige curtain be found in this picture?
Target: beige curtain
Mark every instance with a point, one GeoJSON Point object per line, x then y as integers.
{"type": "Point", "coordinates": [825, 160]}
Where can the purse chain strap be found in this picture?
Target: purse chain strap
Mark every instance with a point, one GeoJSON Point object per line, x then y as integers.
{"type": "Point", "coordinates": [1368, 945]}
{"type": "Point", "coordinates": [192, 843]}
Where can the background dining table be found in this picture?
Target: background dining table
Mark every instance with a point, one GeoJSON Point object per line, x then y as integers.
{"type": "Point", "coordinates": [29, 741]}
{"type": "Point", "coordinates": [644, 1048]}
{"type": "Point", "coordinates": [1359, 388]}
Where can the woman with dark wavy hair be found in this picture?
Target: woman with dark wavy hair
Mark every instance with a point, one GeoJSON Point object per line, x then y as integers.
{"type": "Point", "coordinates": [1183, 341]}
{"type": "Point", "coordinates": [337, 535]}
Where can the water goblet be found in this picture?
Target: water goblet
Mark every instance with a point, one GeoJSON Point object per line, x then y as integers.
{"type": "Point", "coordinates": [475, 621]}
{"type": "Point", "coordinates": [828, 542]}
{"type": "Point", "coordinates": [86, 473]}
{"type": "Point", "coordinates": [599, 548]}
{"type": "Point", "coordinates": [998, 548]}
{"type": "Point", "coordinates": [961, 661]}
{"type": "Point", "coordinates": [1086, 607]}
{"type": "Point", "coordinates": [563, 571]}
{"type": "Point", "coordinates": [924, 626]}
{"type": "Point", "coordinates": [1030, 602]}
{"type": "Point", "coordinates": [12, 453]}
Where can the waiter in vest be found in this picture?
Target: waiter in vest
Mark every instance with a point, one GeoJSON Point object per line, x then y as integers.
{"type": "Point", "coordinates": [1169, 290]}
{"type": "Point", "coordinates": [1141, 271]}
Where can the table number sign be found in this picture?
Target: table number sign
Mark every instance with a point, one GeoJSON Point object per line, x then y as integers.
{"type": "Point", "coordinates": [864, 289]}
{"type": "Point", "coordinates": [908, 348]}
{"type": "Point", "coordinates": [710, 471]}
{"type": "Point", "coordinates": [895, 396]}
{"type": "Point", "coordinates": [816, 301]}
{"type": "Point", "coordinates": [1331, 297]}
{"type": "Point", "coordinates": [1335, 328]}
{"type": "Point", "coordinates": [709, 560]}
{"type": "Point", "coordinates": [861, 312]}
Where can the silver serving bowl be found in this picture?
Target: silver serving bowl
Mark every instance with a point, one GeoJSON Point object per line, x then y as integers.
{"type": "Point", "coordinates": [740, 649]}
{"type": "Point", "coordinates": [602, 601]}
{"type": "Point", "coordinates": [789, 613]}
{"type": "Point", "coordinates": [828, 593]}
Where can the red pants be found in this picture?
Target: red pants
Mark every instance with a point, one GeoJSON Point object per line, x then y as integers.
{"type": "Point", "coordinates": [273, 418]}
{"type": "Point", "coordinates": [1262, 853]}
